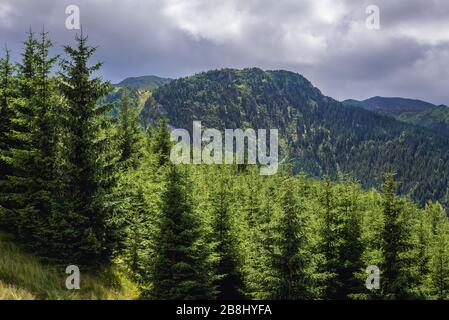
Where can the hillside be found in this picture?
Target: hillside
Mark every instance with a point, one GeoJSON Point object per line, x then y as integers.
{"type": "Point", "coordinates": [24, 277]}
{"type": "Point", "coordinates": [435, 118]}
{"type": "Point", "coordinates": [143, 82]}
{"type": "Point", "coordinates": [139, 89]}
{"type": "Point", "coordinates": [417, 112]}
{"type": "Point", "coordinates": [322, 136]}
{"type": "Point", "coordinates": [391, 106]}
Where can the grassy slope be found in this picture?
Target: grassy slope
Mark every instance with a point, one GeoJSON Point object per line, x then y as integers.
{"type": "Point", "coordinates": [22, 276]}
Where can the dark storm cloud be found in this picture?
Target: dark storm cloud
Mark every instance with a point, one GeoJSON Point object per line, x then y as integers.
{"type": "Point", "coordinates": [325, 40]}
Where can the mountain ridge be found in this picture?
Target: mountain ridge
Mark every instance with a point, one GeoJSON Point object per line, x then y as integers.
{"type": "Point", "coordinates": [320, 135]}
{"type": "Point", "coordinates": [147, 82]}
{"type": "Point", "coordinates": [412, 111]}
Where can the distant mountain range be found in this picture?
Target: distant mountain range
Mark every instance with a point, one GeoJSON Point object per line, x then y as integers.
{"type": "Point", "coordinates": [417, 112]}
{"type": "Point", "coordinates": [318, 135]}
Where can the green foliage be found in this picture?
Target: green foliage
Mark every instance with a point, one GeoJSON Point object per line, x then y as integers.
{"type": "Point", "coordinates": [416, 112]}
{"type": "Point", "coordinates": [91, 156]}
{"type": "Point", "coordinates": [8, 92]}
{"type": "Point", "coordinates": [61, 157]}
{"type": "Point", "coordinates": [33, 157]}
{"type": "Point", "coordinates": [396, 277]}
{"type": "Point", "coordinates": [130, 134]}
{"type": "Point", "coordinates": [80, 187]}
{"type": "Point", "coordinates": [181, 269]}
{"type": "Point", "coordinates": [160, 144]}
{"type": "Point", "coordinates": [438, 253]}
{"type": "Point", "coordinates": [291, 258]}
{"type": "Point", "coordinates": [341, 243]}
{"type": "Point", "coordinates": [435, 118]}
{"type": "Point", "coordinates": [325, 137]}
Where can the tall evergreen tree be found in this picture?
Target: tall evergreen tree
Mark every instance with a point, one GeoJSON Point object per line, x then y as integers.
{"type": "Point", "coordinates": [229, 283]}
{"type": "Point", "coordinates": [291, 263]}
{"type": "Point", "coordinates": [439, 252]}
{"type": "Point", "coordinates": [137, 235]}
{"type": "Point", "coordinates": [33, 157]}
{"type": "Point", "coordinates": [21, 151]}
{"type": "Point", "coordinates": [424, 233]}
{"type": "Point", "coordinates": [260, 277]}
{"type": "Point", "coordinates": [330, 240]}
{"type": "Point", "coordinates": [7, 88]}
{"type": "Point", "coordinates": [395, 279]}
{"type": "Point", "coordinates": [181, 269]}
{"type": "Point", "coordinates": [351, 248]}
{"type": "Point", "coordinates": [32, 183]}
{"type": "Point", "coordinates": [8, 92]}
{"type": "Point", "coordinates": [130, 133]}
{"type": "Point", "coordinates": [160, 144]}
{"type": "Point", "coordinates": [91, 157]}
{"type": "Point", "coordinates": [46, 138]}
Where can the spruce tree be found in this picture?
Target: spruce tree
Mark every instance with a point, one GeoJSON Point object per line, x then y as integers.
{"type": "Point", "coordinates": [91, 160]}
{"type": "Point", "coordinates": [137, 231]}
{"type": "Point", "coordinates": [351, 248]}
{"type": "Point", "coordinates": [8, 92]}
{"type": "Point", "coordinates": [227, 267]}
{"type": "Point", "coordinates": [394, 275]}
{"type": "Point", "coordinates": [439, 252]}
{"type": "Point", "coordinates": [181, 268]}
{"type": "Point", "coordinates": [130, 134]}
{"type": "Point", "coordinates": [160, 144]}
{"type": "Point", "coordinates": [32, 183]}
{"type": "Point", "coordinates": [137, 198]}
{"type": "Point", "coordinates": [330, 240]}
{"type": "Point", "coordinates": [33, 157]}
{"type": "Point", "coordinates": [424, 233]}
{"type": "Point", "coordinates": [27, 69]}
{"type": "Point", "coordinates": [19, 158]}
{"type": "Point", "coordinates": [260, 277]}
{"type": "Point", "coordinates": [46, 138]}
{"type": "Point", "coordinates": [291, 261]}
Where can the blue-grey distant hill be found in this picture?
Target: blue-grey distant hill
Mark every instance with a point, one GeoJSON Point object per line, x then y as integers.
{"type": "Point", "coordinates": [417, 112]}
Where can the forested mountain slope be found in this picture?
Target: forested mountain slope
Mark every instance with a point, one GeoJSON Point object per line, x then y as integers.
{"type": "Point", "coordinates": [391, 106]}
{"type": "Point", "coordinates": [417, 112]}
{"type": "Point", "coordinates": [436, 119]}
{"type": "Point", "coordinates": [138, 89]}
{"type": "Point", "coordinates": [143, 82]}
{"type": "Point", "coordinates": [321, 135]}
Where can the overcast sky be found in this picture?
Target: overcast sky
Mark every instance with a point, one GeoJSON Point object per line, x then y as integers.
{"type": "Point", "coordinates": [327, 41]}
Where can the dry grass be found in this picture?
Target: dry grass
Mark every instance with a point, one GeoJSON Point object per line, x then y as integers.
{"type": "Point", "coordinates": [24, 277]}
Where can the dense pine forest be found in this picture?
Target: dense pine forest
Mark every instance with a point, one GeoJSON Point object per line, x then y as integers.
{"type": "Point", "coordinates": [319, 135]}
{"type": "Point", "coordinates": [84, 182]}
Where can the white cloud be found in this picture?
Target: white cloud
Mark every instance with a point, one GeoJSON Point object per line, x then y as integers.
{"type": "Point", "coordinates": [217, 21]}
{"type": "Point", "coordinates": [326, 40]}
{"type": "Point", "coordinates": [6, 15]}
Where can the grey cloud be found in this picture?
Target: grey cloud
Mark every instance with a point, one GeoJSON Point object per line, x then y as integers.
{"type": "Point", "coordinates": [324, 40]}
